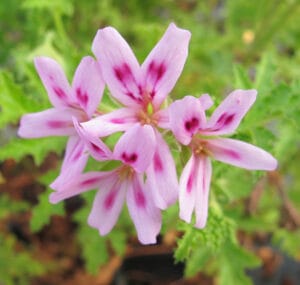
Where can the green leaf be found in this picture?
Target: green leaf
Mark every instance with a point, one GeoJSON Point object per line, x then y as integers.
{"type": "Point", "coordinates": [241, 77]}
{"type": "Point", "coordinates": [38, 148]}
{"type": "Point", "coordinates": [65, 7]}
{"type": "Point", "coordinates": [47, 48]}
{"type": "Point", "coordinates": [266, 220]}
{"type": "Point", "coordinates": [184, 245]}
{"type": "Point", "coordinates": [197, 261]}
{"type": "Point", "coordinates": [14, 206]}
{"type": "Point", "coordinates": [233, 261]}
{"type": "Point", "coordinates": [42, 213]}
{"type": "Point", "coordinates": [17, 267]}
{"type": "Point", "coordinates": [264, 74]}
{"type": "Point", "coordinates": [94, 248]}
{"type": "Point", "coordinates": [117, 239]}
{"type": "Point", "coordinates": [197, 246]}
{"type": "Point", "coordinates": [288, 241]}
{"type": "Point", "coordinates": [232, 183]}
{"type": "Point", "coordinates": [13, 102]}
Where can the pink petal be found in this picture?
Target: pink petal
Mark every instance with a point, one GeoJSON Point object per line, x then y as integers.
{"type": "Point", "coordinates": [164, 64]}
{"type": "Point", "coordinates": [188, 189]}
{"type": "Point", "coordinates": [136, 147]}
{"type": "Point", "coordinates": [97, 148]}
{"type": "Point", "coordinates": [115, 121]}
{"type": "Point", "coordinates": [79, 184]}
{"type": "Point", "coordinates": [206, 101]}
{"type": "Point", "coordinates": [51, 122]}
{"type": "Point", "coordinates": [76, 155]}
{"type": "Point", "coordinates": [145, 215]}
{"type": "Point", "coordinates": [88, 85]}
{"type": "Point", "coordinates": [202, 194]}
{"type": "Point", "coordinates": [240, 154]}
{"type": "Point", "coordinates": [73, 164]}
{"type": "Point", "coordinates": [108, 204]}
{"type": "Point", "coordinates": [161, 175]}
{"type": "Point", "coordinates": [230, 112]}
{"type": "Point", "coordinates": [163, 120]}
{"type": "Point", "coordinates": [186, 117]}
{"type": "Point", "coordinates": [55, 81]}
{"type": "Point", "coordinates": [119, 66]}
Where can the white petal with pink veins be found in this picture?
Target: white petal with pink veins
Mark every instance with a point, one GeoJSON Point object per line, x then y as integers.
{"type": "Point", "coordinates": [136, 147]}
{"type": "Point", "coordinates": [145, 215]}
{"type": "Point", "coordinates": [206, 101]}
{"type": "Point", "coordinates": [96, 147]}
{"type": "Point", "coordinates": [163, 118]}
{"type": "Point", "coordinates": [80, 184]}
{"type": "Point", "coordinates": [240, 154]}
{"type": "Point", "coordinates": [51, 122]}
{"type": "Point", "coordinates": [73, 164]}
{"type": "Point", "coordinates": [108, 204]}
{"type": "Point", "coordinates": [164, 64]}
{"type": "Point", "coordinates": [187, 189]}
{"type": "Point", "coordinates": [55, 81]}
{"type": "Point", "coordinates": [115, 121]}
{"type": "Point", "coordinates": [120, 69]}
{"type": "Point", "coordinates": [230, 112]}
{"type": "Point", "coordinates": [88, 85]}
{"type": "Point", "coordinates": [75, 150]}
{"type": "Point", "coordinates": [186, 117]}
{"type": "Point", "coordinates": [202, 193]}
{"type": "Point", "coordinates": [161, 175]}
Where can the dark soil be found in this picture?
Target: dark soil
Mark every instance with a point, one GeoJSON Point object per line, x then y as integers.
{"type": "Point", "coordinates": [56, 245]}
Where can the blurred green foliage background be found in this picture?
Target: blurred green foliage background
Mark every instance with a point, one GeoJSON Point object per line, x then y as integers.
{"type": "Point", "coordinates": [235, 44]}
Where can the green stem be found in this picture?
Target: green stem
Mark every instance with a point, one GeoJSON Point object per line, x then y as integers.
{"type": "Point", "coordinates": [57, 17]}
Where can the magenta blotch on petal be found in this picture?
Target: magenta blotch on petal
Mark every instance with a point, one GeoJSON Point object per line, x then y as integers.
{"type": "Point", "coordinates": [108, 204]}
{"type": "Point", "coordinates": [55, 81]}
{"type": "Point", "coordinates": [230, 112]}
{"type": "Point", "coordinates": [96, 147]}
{"type": "Point", "coordinates": [241, 154]}
{"type": "Point", "coordinates": [163, 66]}
{"type": "Point", "coordinates": [136, 147]}
{"type": "Point", "coordinates": [202, 194]}
{"type": "Point", "coordinates": [188, 189]}
{"type": "Point", "coordinates": [88, 85]}
{"type": "Point", "coordinates": [145, 215]}
{"type": "Point", "coordinates": [119, 66]}
{"type": "Point", "coordinates": [186, 118]}
{"type": "Point", "coordinates": [51, 122]}
{"type": "Point", "coordinates": [115, 121]}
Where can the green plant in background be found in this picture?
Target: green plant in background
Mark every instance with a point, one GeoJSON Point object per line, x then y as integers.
{"type": "Point", "coordinates": [234, 45]}
{"type": "Point", "coordinates": [15, 267]}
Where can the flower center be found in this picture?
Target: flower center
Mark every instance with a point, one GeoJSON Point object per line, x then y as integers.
{"type": "Point", "coordinates": [199, 147]}
{"type": "Point", "coordinates": [125, 172]}
{"type": "Point", "coordinates": [147, 116]}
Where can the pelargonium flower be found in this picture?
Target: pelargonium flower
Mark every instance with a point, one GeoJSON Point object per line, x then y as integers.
{"type": "Point", "coordinates": [125, 182]}
{"type": "Point", "coordinates": [142, 90]}
{"type": "Point", "coordinates": [79, 101]}
{"type": "Point", "coordinates": [190, 127]}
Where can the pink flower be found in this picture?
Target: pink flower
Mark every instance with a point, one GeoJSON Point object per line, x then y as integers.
{"type": "Point", "coordinates": [125, 182]}
{"type": "Point", "coordinates": [189, 125]}
{"type": "Point", "coordinates": [79, 101]}
{"type": "Point", "coordinates": [142, 90]}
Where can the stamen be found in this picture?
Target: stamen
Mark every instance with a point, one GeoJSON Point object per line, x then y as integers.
{"type": "Point", "coordinates": [125, 172]}
{"type": "Point", "coordinates": [147, 119]}
{"type": "Point", "coordinates": [198, 147]}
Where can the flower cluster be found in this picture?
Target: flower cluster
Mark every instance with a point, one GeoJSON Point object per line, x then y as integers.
{"type": "Point", "coordinates": [146, 176]}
